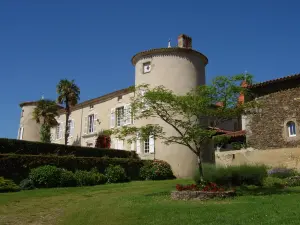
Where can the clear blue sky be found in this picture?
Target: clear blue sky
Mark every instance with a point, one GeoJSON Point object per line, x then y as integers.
{"type": "Point", "coordinates": [92, 42]}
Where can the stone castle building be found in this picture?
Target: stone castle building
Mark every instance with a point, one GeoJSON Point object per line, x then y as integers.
{"type": "Point", "coordinates": [179, 69]}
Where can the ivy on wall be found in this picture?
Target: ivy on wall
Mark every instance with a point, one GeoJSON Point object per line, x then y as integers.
{"type": "Point", "coordinates": [267, 128]}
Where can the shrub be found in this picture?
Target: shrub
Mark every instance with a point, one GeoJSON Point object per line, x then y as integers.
{"type": "Point", "coordinates": [156, 170]}
{"type": "Point", "coordinates": [234, 175]}
{"type": "Point", "coordinates": [281, 172]}
{"type": "Point", "coordinates": [213, 187]}
{"type": "Point", "coordinates": [274, 182]}
{"type": "Point", "coordinates": [115, 174]}
{"type": "Point", "coordinates": [190, 187]}
{"type": "Point", "coordinates": [27, 184]}
{"type": "Point", "coordinates": [38, 148]}
{"type": "Point", "coordinates": [67, 178]}
{"type": "Point", "coordinates": [89, 178]}
{"type": "Point", "coordinates": [293, 181]}
{"type": "Point", "coordinates": [17, 167]}
{"type": "Point", "coordinates": [236, 145]}
{"type": "Point", "coordinates": [8, 185]}
{"type": "Point", "coordinates": [45, 176]}
{"type": "Point", "coordinates": [103, 141]}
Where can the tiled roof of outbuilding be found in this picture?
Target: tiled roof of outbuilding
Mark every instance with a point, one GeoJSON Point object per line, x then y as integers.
{"type": "Point", "coordinates": [277, 80]}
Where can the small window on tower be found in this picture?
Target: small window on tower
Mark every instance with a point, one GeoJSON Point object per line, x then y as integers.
{"type": "Point", "coordinates": [147, 67]}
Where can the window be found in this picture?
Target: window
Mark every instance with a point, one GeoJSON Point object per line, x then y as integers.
{"type": "Point", "coordinates": [291, 129]}
{"type": "Point", "coordinates": [120, 116]}
{"type": "Point", "coordinates": [71, 127]}
{"type": "Point", "coordinates": [22, 113]}
{"type": "Point", "coordinates": [91, 123]}
{"type": "Point", "coordinates": [91, 106]}
{"type": "Point", "coordinates": [120, 98]}
{"type": "Point", "coordinates": [146, 146]}
{"type": "Point", "coordinates": [20, 133]}
{"type": "Point", "coordinates": [147, 67]}
{"type": "Point", "coordinates": [58, 132]}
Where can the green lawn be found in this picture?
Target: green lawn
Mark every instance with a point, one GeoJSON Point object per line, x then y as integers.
{"type": "Point", "coordinates": [143, 203]}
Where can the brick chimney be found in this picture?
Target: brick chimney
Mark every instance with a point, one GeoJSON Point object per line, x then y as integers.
{"type": "Point", "coordinates": [241, 99]}
{"type": "Point", "coordinates": [184, 41]}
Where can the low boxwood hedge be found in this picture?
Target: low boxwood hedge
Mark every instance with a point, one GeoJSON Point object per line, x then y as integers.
{"type": "Point", "coordinates": [17, 167]}
{"type": "Point", "coordinates": [38, 148]}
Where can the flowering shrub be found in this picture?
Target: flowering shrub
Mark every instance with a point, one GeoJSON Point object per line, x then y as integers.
{"type": "Point", "coordinates": [103, 141]}
{"type": "Point", "coordinates": [156, 170]}
{"type": "Point", "coordinates": [115, 174]}
{"type": "Point", "coordinates": [213, 187]}
{"type": "Point", "coordinates": [281, 172]}
{"type": "Point", "coordinates": [210, 187]}
{"type": "Point", "coordinates": [191, 187]}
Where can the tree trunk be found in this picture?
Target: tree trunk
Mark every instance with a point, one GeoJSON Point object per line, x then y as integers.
{"type": "Point", "coordinates": [200, 168]}
{"type": "Point", "coordinates": [67, 123]}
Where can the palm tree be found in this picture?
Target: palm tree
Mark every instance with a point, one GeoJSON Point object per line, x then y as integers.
{"type": "Point", "coordinates": [68, 94]}
{"type": "Point", "coordinates": [45, 113]}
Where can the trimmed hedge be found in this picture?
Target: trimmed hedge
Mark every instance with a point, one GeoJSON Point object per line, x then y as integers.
{"type": "Point", "coordinates": [37, 148]}
{"type": "Point", "coordinates": [17, 167]}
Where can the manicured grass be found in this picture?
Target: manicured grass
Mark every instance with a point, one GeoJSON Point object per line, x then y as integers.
{"type": "Point", "coordinates": [144, 203]}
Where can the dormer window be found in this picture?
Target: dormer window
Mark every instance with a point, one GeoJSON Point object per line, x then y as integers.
{"type": "Point", "coordinates": [146, 67]}
{"type": "Point", "coordinates": [291, 126]}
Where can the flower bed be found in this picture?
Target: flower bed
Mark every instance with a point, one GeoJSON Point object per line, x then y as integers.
{"type": "Point", "coordinates": [200, 195]}
{"type": "Point", "coordinates": [204, 192]}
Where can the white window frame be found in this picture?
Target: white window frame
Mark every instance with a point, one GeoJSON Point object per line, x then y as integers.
{"type": "Point", "coordinates": [147, 146]}
{"type": "Point", "coordinates": [59, 131]}
{"type": "Point", "coordinates": [91, 120]}
{"type": "Point", "coordinates": [120, 121]}
{"type": "Point", "coordinates": [291, 126]}
{"type": "Point", "coordinates": [71, 127]}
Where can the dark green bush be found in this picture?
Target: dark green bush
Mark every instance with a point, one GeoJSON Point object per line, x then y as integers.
{"type": "Point", "coordinates": [89, 178]}
{"type": "Point", "coordinates": [236, 145]}
{"type": "Point", "coordinates": [156, 170]}
{"type": "Point", "coordinates": [274, 182]}
{"type": "Point", "coordinates": [45, 176]}
{"type": "Point", "coordinates": [281, 172]}
{"type": "Point", "coordinates": [17, 167]}
{"type": "Point", "coordinates": [27, 184]}
{"type": "Point", "coordinates": [234, 175]}
{"type": "Point", "coordinates": [115, 174]}
{"type": "Point", "coordinates": [38, 148]}
{"type": "Point", "coordinates": [8, 185]}
{"type": "Point", "coordinates": [293, 181]}
{"type": "Point", "coordinates": [67, 178]}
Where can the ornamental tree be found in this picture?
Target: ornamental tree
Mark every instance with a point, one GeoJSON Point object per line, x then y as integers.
{"type": "Point", "coordinates": [187, 114]}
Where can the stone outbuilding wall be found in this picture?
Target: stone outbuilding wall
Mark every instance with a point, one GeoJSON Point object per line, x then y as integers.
{"type": "Point", "coordinates": [268, 127]}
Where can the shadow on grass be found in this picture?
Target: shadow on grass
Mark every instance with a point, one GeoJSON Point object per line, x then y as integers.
{"type": "Point", "coordinates": [257, 191]}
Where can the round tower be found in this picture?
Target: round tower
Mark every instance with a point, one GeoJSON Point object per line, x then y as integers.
{"type": "Point", "coordinates": [29, 129]}
{"type": "Point", "coordinates": [179, 69]}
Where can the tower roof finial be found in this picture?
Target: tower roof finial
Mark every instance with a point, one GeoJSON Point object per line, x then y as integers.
{"type": "Point", "coordinates": [245, 74]}
{"type": "Point", "coordinates": [169, 43]}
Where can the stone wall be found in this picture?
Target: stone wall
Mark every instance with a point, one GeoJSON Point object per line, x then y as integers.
{"type": "Point", "coordinates": [268, 128]}
{"type": "Point", "coordinates": [288, 157]}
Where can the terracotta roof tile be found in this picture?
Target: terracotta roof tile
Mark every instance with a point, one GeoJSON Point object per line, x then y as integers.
{"type": "Point", "coordinates": [277, 80]}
